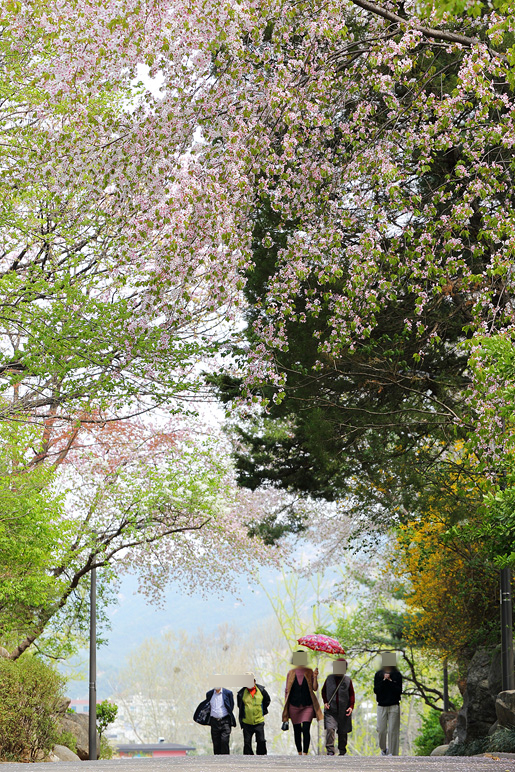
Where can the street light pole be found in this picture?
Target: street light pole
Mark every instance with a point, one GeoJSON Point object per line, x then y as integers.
{"type": "Point", "coordinates": [508, 676]}
{"type": "Point", "coordinates": [446, 686]}
{"type": "Point", "coordinates": [93, 667]}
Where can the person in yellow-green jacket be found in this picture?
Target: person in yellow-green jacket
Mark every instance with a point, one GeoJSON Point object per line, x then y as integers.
{"type": "Point", "coordinates": [253, 701]}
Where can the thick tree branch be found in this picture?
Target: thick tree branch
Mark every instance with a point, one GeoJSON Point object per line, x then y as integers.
{"type": "Point", "coordinates": [424, 691]}
{"type": "Point", "coordinates": [93, 562]}
{"type": "Point", "coordinates": [430, 32]}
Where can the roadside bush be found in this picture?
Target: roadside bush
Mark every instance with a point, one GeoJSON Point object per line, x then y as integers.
{"type": "Point", "coordinates": [106, 715]}
{"type": "Point", "coordinates": [68, 739]}
{"type": "Point", "coordinates": [106, 749]}
{"type": "Point", "coordinates": [431, 734]}
{"type": "Point", "coordinates": [502, 741]}
{"type": "Point", "coordinates": [474, 748]}
{"type": "Point", "coordinates": [30, 693]}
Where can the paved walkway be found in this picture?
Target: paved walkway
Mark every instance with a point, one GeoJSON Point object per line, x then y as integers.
{"type": "Point", "coordinates": [278, 764]}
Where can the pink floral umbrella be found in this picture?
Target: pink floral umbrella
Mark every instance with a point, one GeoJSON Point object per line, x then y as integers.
{"type": "Point", "coordinates": [318, 642]}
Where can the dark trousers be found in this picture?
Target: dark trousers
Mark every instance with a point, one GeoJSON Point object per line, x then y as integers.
{"type": "Point", "coordinates": [220, 734]}
{"type": "Point", "coordinates": [302, 736]}
{"type": "Point", "coordinates": [259, 731]}
{"type": "Point", "coordinates": [332, 725]}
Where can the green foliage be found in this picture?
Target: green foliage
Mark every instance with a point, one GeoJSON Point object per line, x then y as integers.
{"type": "Point", "coordinates": [106, 749]}
{"type": "Point", "coordinates": [473, 748]}
{"type": "Point", "coordinates": [106, 714]}
{"type": "Point", "coordinates": [68, 739]}
{"type": "Point", "coordinates": [501, 741]}
{"type": "Point", "coordinates": [273, 527]}
{"type": "Point", "coordinates": [460, 8]}
{"type": "Point", "coordinates": [332, 434]}
{"type": "Point", "coordinates": [493, 367]}
{"type": "Point", "coordinates": [30, 693]}
{"type": "Point", "coordinates": [32, 526]}
{"type": "Point", "coordinates": [431, 734]}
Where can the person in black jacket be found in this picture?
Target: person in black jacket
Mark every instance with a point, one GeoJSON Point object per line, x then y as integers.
{"type": "Point", "coordinates": [253, 701]}
{"type": "Point", "coordinates": [217, 710]}
{"type": "Point", "coordinates": [388, 691]}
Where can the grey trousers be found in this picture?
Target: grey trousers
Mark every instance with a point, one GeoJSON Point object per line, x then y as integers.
{"type": "Point", "coordinates": [331, 727]}
{"type": "Point", "coordinates": [388, 727]}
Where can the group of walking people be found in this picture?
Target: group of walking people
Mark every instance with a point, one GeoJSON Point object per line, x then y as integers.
{"type": "Point", "coordinates": [301, 707]}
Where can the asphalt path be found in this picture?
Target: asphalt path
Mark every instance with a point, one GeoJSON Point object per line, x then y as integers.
{"type": "Point", "coordinates": [280, 764]}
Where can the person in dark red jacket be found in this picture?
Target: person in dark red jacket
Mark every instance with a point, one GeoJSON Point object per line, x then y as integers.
{"type": "Point", "coordinates": [339, 699]}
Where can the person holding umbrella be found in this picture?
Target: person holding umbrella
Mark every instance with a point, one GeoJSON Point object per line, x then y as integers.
{"type": "Point", "coordinates": [338, 697]}
{"type": "Point", "coordinates": [301, 704]}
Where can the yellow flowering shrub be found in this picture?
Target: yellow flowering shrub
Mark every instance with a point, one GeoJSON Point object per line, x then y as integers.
{"type": "Point", "coordinates": [451, 589]}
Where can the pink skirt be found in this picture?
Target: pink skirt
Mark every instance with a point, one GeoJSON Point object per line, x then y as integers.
{"type": "Point", "coordinates": [300, 714]}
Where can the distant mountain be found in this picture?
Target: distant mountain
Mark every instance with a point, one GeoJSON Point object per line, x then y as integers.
{"type": "Point", "coordinates": [133, 620]}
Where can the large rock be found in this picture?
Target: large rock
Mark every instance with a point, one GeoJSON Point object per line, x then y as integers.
{"type": "Point", "coordinates": [505, 708]}
{"type": "Point", "coordinates": [64, 754]}
{"type": "Point", "coordinates": [440, 750]}
{"type": "Point", "coordinates": [43, 756]}
{"type": "Point", "coordinates": [4, 652]}
{"type": "Point", "coordinates": [448, 722]}
{"type": "Point", "coordinates": [483, 685]}
{"type": "Point", "coordinates": [63, 705]}
{"type": "Point", "coordinates": [493, 729]}
{"type": "Point", "coordinates": [78, 725]}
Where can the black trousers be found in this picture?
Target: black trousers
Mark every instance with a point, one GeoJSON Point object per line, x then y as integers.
{"type": "Point", "coordinates": [220, 734]}
{"type": "Point", "coordinates": [301, 735]}
{"type": "Point", "coordinates": [334, 723]}
{"type": "Point", "coordinates": [248, 731]}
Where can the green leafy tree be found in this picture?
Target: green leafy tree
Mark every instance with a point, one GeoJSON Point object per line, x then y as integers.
{"type": "Point", "coordinates": [130, 497]}
{"type": "Point", "coordinates": [430, 736]}
{"type": "Point", "coordinates": [106, 715]}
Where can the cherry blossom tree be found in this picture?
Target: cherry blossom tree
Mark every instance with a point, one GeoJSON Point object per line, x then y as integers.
{"type": "Point", "coordinates": [117, 262]}
{"type": "Point", "coordinates": [382, 139]}
{"type": "Point", "coordinates": [385, 156]}
{"type": "Point", "coordinates": [152, 499]}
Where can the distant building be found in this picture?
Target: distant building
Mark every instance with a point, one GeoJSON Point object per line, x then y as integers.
{"type": "Point", "coordinates": [153, 750]}
{"type": "Point", "coordinates": [80, 706]}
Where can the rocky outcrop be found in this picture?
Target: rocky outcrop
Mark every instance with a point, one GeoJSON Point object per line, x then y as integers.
{"type": "Point", "coordinates": [483, 685]}
{"type": "Point", "coordinates": [63, 753]}
{"type": "Point", "coordinates": [505, 709]}
{"type": "Point", "coordinates": [78, 725]}
{"type": "Point", "coordinates": [439, 751]}
{"type": "Point", "coordinates": [63, 705]}
{"type": "Point", "coordinates": [493, 729]}
{"type": "Point", "coordinates": [448, 722]}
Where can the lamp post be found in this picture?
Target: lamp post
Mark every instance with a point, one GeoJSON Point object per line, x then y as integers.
{"type": "Point", "coordinates": [508, 676]}
{"type": "Point", "coordinates": [93, 667]}
{"type": "Point", "coordinates": [446, 686]}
